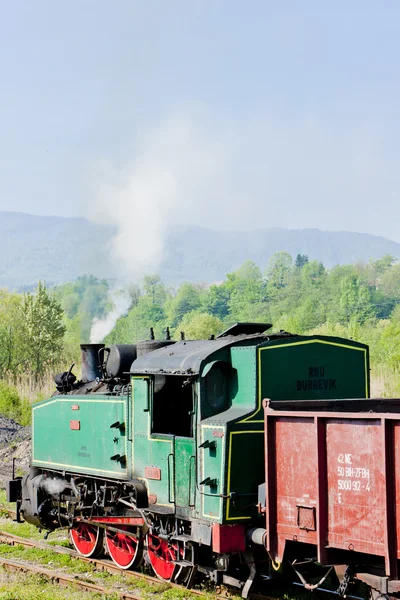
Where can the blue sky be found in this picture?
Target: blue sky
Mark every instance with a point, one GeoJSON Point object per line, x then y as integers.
{"type": "Point", "coordinates": [252, 114]}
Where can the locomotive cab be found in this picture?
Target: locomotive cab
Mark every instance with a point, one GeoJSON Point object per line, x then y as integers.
{"type": "Point", "coordinates": [198, 420]}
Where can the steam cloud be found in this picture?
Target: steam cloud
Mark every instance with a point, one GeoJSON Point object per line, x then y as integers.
{"type": "Point", "coordinates": [53, 486]}
{"type": "Point", "coordinates": [101, 327]}
{"type": "Point", "coordinates": [166, 180]}
{"type": "Point", "coordinates": [172, 170]}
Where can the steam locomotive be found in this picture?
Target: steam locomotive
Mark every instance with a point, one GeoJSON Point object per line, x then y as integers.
{"type": "Point", "coordinates": [170, 451]}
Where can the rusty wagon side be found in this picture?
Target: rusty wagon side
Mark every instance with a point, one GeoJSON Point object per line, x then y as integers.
{"type": "Point", "coordinates": [333, 485]}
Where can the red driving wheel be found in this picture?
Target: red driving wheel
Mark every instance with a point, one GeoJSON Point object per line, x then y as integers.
{"type": "Point", "coordinates": [87, 539]}
{"type": "Point", "coordinates": [162, 557]}
{"type": "Point", "coordinates": [125, 550]}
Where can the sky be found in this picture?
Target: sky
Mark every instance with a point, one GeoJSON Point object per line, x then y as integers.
{"type": "Point", "coordinates": [221, 113]}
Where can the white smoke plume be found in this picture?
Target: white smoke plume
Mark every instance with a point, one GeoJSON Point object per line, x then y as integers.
{"type": "Point", "coordinates": [121, 302]}
{"type": "Point", "coordinates": [166, 181]}
{"type": "Point", "coordinates": [53, 486]}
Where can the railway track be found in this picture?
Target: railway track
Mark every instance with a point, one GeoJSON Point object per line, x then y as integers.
{"type": "Point", "coordinates": [99, 564]}
{"type": "Point", "coordinates": [63, 579]}
{"type": "Point", "coordinates": [102, 564]}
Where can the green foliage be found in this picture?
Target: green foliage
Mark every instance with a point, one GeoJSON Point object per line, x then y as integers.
{"type": "Point", "coordinates": [216, 301]}
{"type": "Point", "coordinates": [10, 403]}
{"type": "Point", "coordinates": [248, 293]}
{"type": "Point", "coordinates": [11, 332]}
{"type": "Point", "coordinates": [82, 301]}
{"type": "Point", "coordinates": [301, 260]}
{"type": "Point", "coordinates": [199, 326]}
{"type": "Point", "coordinates": [354, 301]}
{"type": "Point", "coordinates": [147, 310]}
{"type": "Point", "coordinates": [186, 299]}
{"type": "Point", "coordinates": [43, 330]}
{"type": "Point", "coordinates": [279, 269]}
{"type": "Point", "coordinates": [40, 332]}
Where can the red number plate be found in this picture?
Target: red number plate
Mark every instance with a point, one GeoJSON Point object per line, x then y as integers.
{"type": "Point", "coordinates": [152, 473]}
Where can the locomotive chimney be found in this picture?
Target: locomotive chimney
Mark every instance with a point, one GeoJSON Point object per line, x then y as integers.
{"type": "Point", "coordinates": [90, 361]}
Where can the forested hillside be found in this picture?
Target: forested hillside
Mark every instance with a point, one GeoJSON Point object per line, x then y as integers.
{"type": "Point", "coordinates": [301, 296]}
{"type": "Point", "coordinates": [57, 250]}
{"type": "Point", "coordinates": [40, 332]}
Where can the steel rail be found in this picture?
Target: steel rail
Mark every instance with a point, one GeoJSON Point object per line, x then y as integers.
{"type": "Point", "coordinates": [63, 579]}
{"type": "Point", "coordinates": [100, 564]}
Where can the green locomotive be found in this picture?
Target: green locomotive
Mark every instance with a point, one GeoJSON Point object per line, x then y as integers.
{"type": "Point", "coordinates": [160, 448]}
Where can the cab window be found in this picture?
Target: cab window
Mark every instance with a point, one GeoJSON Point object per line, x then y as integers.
{"type": "Point", "coordinates": [172, 407]}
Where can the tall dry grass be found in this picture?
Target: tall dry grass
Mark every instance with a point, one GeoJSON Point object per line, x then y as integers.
{"type": "Point", "coordinates": [18, 393]}
{"type": "Point", "coordinates": [31, 389]}
{"type": "Point", "coordinates": [385, 381]}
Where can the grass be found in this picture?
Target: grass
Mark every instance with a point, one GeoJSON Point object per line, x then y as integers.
{"type": "Point", "coordinates": [32, 587]}
{"type": "Point", "coordinates": [4, 505]}
{"type": "Point", "coordinates": [88, 572]}
{"type": "Point", "coordinates": [29, 388]}
{"type": "Point", "coordinates": [22, 529]}
{"type": "Point", "coordinates": [46, 558]}
{"type": "Point", "coordinates": [385, 382]}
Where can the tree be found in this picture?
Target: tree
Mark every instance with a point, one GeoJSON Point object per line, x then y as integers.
{"type": "Point", "coordinates": [301, 260]}
{"type": "Point", "coordinates": [390, 340]}
{"type": "Point", "coordinates": [199, 326]}
{"type": "Point", "coordinates": [11, 333]}
{"type": "Point", "coordinates": [186, 300]}
{"type": "Point", "coordinates": [247, 293]}
{"type": "Point", "coordinates": [390, 283]}
{"type": "Point", "coordinates": [355, 300]}
{"type": "Point", "coordinates": [216, 301]}
{"type": "Point", "coordinates": [279, 268]}
{"type": "Point", "coordinates": [155, 290]}
{"type": "Point", "coordinates": [383, 264]}
{"type": "Point", "coordinates": [313, 272]}
{"type": "Point", "coordinates": [44, 330]}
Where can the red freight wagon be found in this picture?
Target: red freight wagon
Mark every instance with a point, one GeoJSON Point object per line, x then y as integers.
{"type": "Point", "coordinates": [333, 485]}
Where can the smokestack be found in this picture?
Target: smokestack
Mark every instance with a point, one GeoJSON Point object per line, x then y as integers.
{"type": "Point", "coordinates": [90, 362]}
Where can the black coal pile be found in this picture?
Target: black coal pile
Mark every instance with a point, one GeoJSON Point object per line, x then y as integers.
{"type": "Point", "coordinates": [11, 432]}
{"type": "Point", "coordinates": [15, 442]}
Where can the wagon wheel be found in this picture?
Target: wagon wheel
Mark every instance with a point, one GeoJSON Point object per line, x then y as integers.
{"type": "Point", "coordinates": [162, 556]}
{"type": "Point", "coordinates": [87, 539]}
{"type": "Point", "coordinates": [126, 551]}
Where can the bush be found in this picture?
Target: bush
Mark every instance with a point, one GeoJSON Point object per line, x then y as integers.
{"type": "Point", "coordinates": [10, 402]}
{"type": "Point", "coordinates": [25, 415]}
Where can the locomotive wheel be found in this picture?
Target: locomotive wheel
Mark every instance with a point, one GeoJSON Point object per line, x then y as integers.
{"type": "Point", "coordinates": [87, 539]}
{"type": "Point", "coordinates": [126, 551]}
{"type": "Point", "coordinates": [161, 555]}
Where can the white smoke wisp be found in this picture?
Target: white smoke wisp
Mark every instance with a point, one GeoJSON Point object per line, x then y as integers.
{"type": "Point", "coordinates": [53, 486]}
{"type": "Point", "coordinates": [121, 302]}
{"type": "Point", "coordinates": [169, 178]}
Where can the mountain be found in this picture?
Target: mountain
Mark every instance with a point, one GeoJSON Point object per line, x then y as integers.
{"type": "Point", "coordinates": [206, 255]}
{"type": "Point", "coordinates": [57, 249]}
{"type": "Point", "coordinates": [53, 249]}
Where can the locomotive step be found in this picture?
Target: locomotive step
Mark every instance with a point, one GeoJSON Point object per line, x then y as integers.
{"type": "Point", "coordinates": [182, 538]}
{"type": "Point", "coordinates": [183, 563]}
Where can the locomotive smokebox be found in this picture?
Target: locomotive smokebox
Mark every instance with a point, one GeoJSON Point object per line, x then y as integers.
{"type": "Point", "coordinates": [90, 362]}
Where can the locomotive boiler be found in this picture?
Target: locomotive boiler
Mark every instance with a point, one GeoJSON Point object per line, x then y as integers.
{"type": "Point", "coordinates": [166, 450]}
